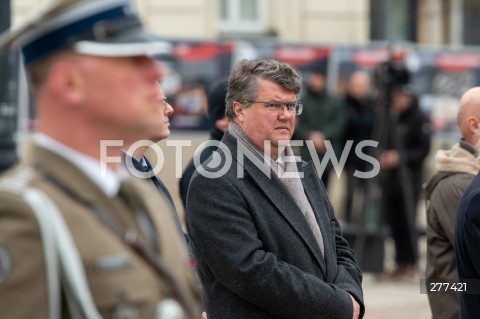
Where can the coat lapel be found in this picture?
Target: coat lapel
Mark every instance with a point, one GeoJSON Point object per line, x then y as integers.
{"type": "Point", "coordinates": [154, 179]}
{"type": "Point", "coordinates": [314, 189]}
{"type": "Point", "coordinates": [281, 199]}
{"type": "Point", "coordinates": [159, 185]}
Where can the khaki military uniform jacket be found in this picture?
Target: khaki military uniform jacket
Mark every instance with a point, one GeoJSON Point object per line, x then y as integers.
{"type": "Point", "coordinates": [122, 283]}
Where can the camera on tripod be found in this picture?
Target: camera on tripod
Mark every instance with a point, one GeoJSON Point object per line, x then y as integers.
{"type": "Point", "coordinates": [393, 73]}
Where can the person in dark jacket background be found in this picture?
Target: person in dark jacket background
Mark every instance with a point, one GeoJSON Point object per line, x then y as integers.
{"type": "Point", "coordinates": [456, 169]}
{"type": "Point", "coordinates": [323, 120]}
{"type": "Point", "coordinates": [218, 125]}
{"type": "Point", "coordinates": [407, 144]}
{"type": "Point", "coordinates": [359, 126]}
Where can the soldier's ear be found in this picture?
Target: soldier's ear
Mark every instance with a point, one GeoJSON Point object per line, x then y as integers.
{"type": "Point", "coordinates": [65, 80]}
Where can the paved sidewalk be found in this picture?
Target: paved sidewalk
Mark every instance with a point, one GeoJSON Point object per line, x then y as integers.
{"type": "Point", "coordinates": [388, 300]}
{"type": "Point", "coordinates": [396, 300]}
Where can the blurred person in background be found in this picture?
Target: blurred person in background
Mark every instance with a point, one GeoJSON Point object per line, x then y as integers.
{"type": "Point", "coordinates": [407, 146]}
{"type": "Point", "coordinates": [456, 169]}
{"type": "Point", "coordinates": [141, 166]}
{"type": "Point", "coordinates": [191, 105]}
{"type": "Point", "coordinates": [71, 242]}
{"type": "Point", "coordinates": [323, 119]}
{"type": "Point", "coordinates": [218, 125]}
{"type": "Point", "coordinates": [360, 108]}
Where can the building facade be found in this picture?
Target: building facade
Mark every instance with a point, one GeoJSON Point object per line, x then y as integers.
{"type": "Point", "coordinates": [431, 22]}
{"type": "Point", "coordinates": [319, 21]}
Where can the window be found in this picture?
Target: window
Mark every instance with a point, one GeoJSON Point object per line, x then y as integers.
{"type": "Point", "coordinates": [393, 20]}
{"type": "Point", "coordinates": [242, 16]}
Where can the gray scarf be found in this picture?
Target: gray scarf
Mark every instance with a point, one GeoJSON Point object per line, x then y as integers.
{"type": "Point", "coordinates": [288, 176]}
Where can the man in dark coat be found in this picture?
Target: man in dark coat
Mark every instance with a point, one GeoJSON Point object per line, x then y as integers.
{"type": "Point", "coordinates": [323, 121]}
{"type": "Point", "coordinates": [467, 239]}
{"type": "Point", "coordinates": [467, 232]}
{"type": "Point", "coordinates": [263, 231]}
{"type": "Point", "coordinates": [456, 169]}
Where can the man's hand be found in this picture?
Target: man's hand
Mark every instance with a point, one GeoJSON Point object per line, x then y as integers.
{"type": "Point", "coordinates": [204, 315]}
{"type": "Point", "coordinates": [318, 139]}
{"type": "Point", "coordinates": [356, 308]}
{"type": "Point", "coordinates": [389, 159]}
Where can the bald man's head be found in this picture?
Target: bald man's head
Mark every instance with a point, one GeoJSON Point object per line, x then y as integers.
{"type": "Point", "coordinates": [468, 117]}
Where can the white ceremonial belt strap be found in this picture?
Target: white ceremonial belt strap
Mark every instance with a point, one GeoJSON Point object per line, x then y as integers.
{"type": "Point", "coordinates": [60, 251]}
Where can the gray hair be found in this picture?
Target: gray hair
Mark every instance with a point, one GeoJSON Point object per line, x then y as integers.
{"type": "Point", "coordinates": [243, 85]}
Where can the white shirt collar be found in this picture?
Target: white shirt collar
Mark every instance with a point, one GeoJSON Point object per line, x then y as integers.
{"type": "Point", "coordinates": [143, 162]}
{"type": "Point", "coordinates": [280, 160]}
{"type": "Point", "coordinates": [109, 184]}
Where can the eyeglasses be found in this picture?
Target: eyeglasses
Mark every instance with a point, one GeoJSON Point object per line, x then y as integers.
{"type": "Point", "coordinates": [278, 106]}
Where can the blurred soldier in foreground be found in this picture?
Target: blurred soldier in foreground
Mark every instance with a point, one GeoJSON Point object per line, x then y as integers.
{"type": "Point", "coordinates": [79, 237]}
{"type": "Point", "coordinates": [456, 169]}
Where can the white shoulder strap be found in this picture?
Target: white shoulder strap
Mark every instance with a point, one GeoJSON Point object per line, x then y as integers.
{"type": "Point", "coordinates": [60, 250]}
